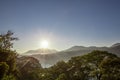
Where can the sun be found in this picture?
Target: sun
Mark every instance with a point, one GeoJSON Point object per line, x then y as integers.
{"type": "Point", "coordinates": [44, 44]}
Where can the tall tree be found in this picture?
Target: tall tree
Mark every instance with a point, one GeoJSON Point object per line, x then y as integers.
{"type": "Point", "coordinates": [7, 55]}
{"type": "Point", "coordinates": [6, 40]}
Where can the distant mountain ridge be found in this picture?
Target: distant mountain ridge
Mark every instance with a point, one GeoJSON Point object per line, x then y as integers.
{"type": "Point", "coordinates": [116, 45]}
{"type": "Point", "coordinates": [40, 51]}
{"type": "Point", "coordinates": [53, 56]}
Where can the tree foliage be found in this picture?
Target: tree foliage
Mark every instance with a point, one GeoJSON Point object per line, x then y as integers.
{"type": "Point", "coordinates": [7, 57]}
{"type": "Point", "coordinates": [6, 40]}
{"type": "Point", "coordinates": [97, 65]}
{"type": "Point", "coordinates": [111, 69]}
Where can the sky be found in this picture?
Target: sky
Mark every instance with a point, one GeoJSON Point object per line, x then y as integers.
{"type": "Point", "coordinates": [63, 23]}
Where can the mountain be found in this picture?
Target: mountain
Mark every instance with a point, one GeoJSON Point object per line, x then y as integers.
{"type": "Point", "coordinates": [40, 51]}
{"type": "Point", "coordinates": [27, 65]}
{"type": "Point", "coordinates": [116, 45]}
{"type": "Point", "coordinates": [52, 56]}
{"type": "Point", "coordinates": [82, 48]}
{"type": "Point", "coordinates": [24, 61]}
{"type": "Point", "coordinates": [75, 48]}
{"type": "Point", "coordinates": [115, 49]}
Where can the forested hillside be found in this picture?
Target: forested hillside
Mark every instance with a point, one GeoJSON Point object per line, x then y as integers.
{"type": "Point", "coordinates": [96, 65]}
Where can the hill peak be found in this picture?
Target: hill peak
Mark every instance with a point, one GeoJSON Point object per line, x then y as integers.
{"type": "Point", "coordinates": [115, 45]}
{"type": "Point", "coordinates": [74, 48]}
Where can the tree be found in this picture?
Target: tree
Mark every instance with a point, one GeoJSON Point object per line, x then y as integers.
{"type": "Point", "coordinates": [110, 69]}
{"type": "Point", "coordinates": [62, 77]}
{"type": "Point", "coordinates": [88, 66]}
{"type": "Point", "coordinates": [94, 59]}
{"type": "Point", "coordinates": [6, 40]}
{"type": "Point", "coordinates": [58, 69]}
{"type": "Point", "coordinates": [3, 69]}
{"type": "Point", "coordinates": [79, 69]}
{"type": "Point", "coordinates": [7, 56]}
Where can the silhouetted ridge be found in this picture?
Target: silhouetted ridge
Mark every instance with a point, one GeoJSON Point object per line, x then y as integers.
{"type": "Point", "coordinates": [116, 45]}
{"type": "Point", "coordinates": [75, 48]}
